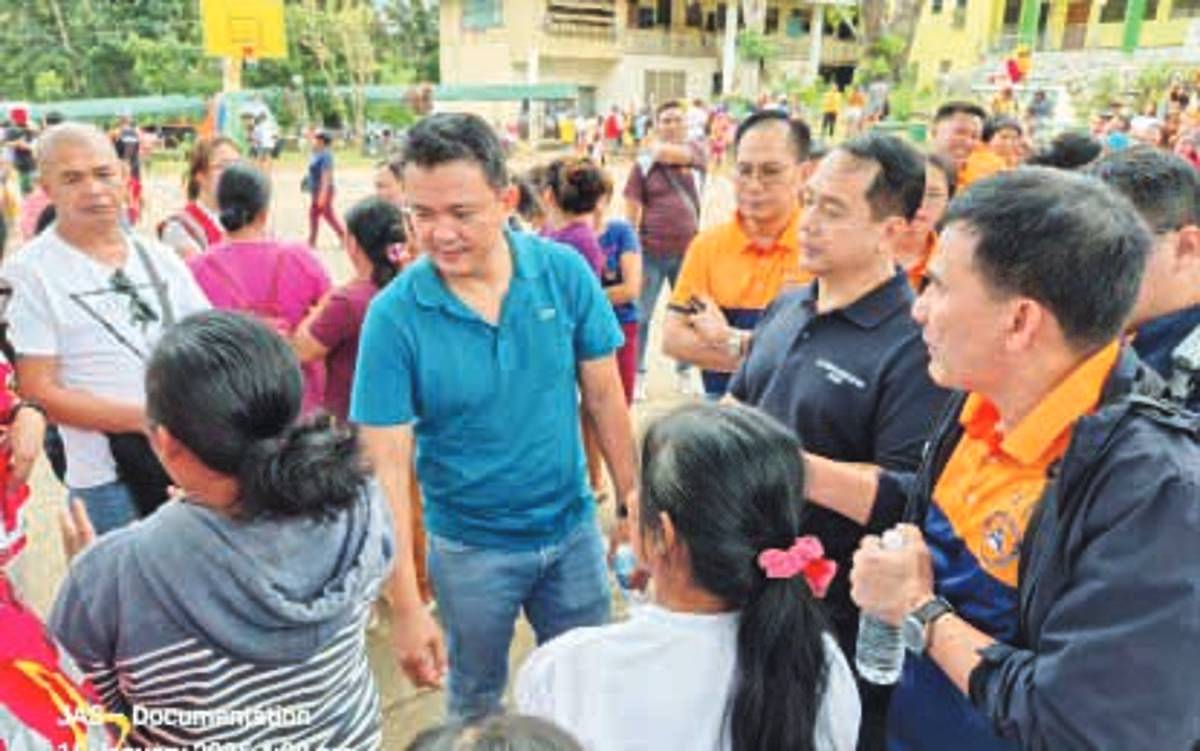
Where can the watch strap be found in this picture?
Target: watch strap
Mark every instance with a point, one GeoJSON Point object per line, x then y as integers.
{"type": "Point", "coordinates": [931, 610]}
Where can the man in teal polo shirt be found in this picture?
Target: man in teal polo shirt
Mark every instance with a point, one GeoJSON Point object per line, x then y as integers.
{"type": "Point", "coordinates": [483, 351]}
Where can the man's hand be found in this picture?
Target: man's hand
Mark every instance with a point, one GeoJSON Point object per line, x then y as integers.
{"type": "Point", "coordinates": [709, 322]}
{"type": "Point", "coordinates": [419, 646]}
{"type": "Point", "coordinates": [76, 529]}
{"type": "Point", "coordinates": [24, 439]}
{"type": "Point", "coordinates": [890, 584]}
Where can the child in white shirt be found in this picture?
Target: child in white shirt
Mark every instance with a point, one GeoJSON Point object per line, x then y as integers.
{"type": "Point", "coordinates": [734, 654]}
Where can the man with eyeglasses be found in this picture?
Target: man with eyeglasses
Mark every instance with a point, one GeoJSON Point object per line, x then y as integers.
{"type": "Point", "coordinates": [734, 270]}
{"type": "Point", "coordinates": [477, 361]}
{"type": "Point", "coordinates": [841, 360]}
{"type": "Point", "coordinates": [1165, 190]}
{"type": "Point", "coordinates": [663, 202]}
{"type": "Point", "coordinates": [89, 303]}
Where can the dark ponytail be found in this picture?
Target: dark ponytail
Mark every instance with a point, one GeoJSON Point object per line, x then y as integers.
{"type": "Point", "coordinates": [731, 480]}
{"type": "Point", "coordinates": [576, 184]}
{"type": "Point", "coordinates": [229, 389]}
{"type": "Point", "coordinates": [377, 227]}
{"type": "Point", "coordinates": [243, 193]}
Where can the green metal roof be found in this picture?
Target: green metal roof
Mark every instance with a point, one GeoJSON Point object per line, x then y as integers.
{"type": "Point", "coordinates": [175, 104]}
{"type": "Point", "coordinates": [172, 104]}
{"type": "Point", "coordinates": [504, 92]}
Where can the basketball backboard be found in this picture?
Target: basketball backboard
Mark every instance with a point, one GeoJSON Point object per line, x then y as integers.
{"type": "Point", "coordinates": [244, 29]}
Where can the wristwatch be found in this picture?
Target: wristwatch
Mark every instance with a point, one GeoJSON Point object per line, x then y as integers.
{"type": "Point", "coordinates": [915, 629]}
{"type": "Point", "coordinates": [737, 344]}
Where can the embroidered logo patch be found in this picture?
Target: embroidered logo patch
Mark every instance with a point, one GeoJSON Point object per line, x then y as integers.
{"type": "Point", "coordinates": [1001, 539]}
{"type": "Point", "coordinates": [838, 375]}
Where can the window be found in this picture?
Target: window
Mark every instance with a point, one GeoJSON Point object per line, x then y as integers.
{"type": "Point", "coordinates": [1012, 12]}
{"type": "Point", "coordinates": [663, 15]}
{"type": "Point", "coordinates": [936, 7]}
{"type": "Point", "coordinates": [721, 9]}
{"type": "Point", "coordinates": [1186, 9]}
{"type": "Point", "coordinates": [694, 17]}
{"type": "Point", "coordinates": [797, 23]}
{"type": "Point", "coordinates": [772, 25]}
{"type": "Point", "coordinates": [1114, 11]}
{"type": "Point", "coordinates": [481, 14]}
{"type": "Point", "coordinates": [664, 85]}
{"type": "Point", "coordinates": [645, 17]}
{"type": "Point", "coordinates": [960, 13]}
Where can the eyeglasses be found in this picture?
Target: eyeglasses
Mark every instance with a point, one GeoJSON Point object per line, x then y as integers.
{"type": "Point", "coordinates": [770, 173]}
{"type": "Point", "coordinates": [140, 312]}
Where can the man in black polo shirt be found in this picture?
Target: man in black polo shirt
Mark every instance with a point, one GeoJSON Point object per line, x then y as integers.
{"type": "Point", "coordinates": [841, 361]}
{"type": "Point", "coordinates": [1165, 190]}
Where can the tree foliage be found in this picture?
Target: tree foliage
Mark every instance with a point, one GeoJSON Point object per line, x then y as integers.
{"type": "Point", "coordinates": [110, 48]}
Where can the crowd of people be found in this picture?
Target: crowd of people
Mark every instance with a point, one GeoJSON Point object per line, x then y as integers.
{"type": "Point", "coordinates": [952, 390]}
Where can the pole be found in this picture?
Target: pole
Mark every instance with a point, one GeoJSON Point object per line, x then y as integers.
{"type": "Point", "coordinates": [1135, 12]}
{"type": "Point", "coordinates": [231, 74]}
{"type": "Point", "coordinates": [1028, 27]}
{"type": "Point", "coordinates": [816, 31]}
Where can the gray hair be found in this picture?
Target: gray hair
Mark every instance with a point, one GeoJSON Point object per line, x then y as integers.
{"type": "Point", "coordinates": [73, 133]}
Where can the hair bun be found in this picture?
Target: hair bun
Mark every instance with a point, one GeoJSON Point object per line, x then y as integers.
{"type": "Point", "coordinates": [234, 218]}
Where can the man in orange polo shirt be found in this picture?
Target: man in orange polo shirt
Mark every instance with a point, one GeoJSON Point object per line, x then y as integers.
{"type": "Point", "coordinates": [732, 271]}
{"type": "Point", "coordinates": [999, 151]}
{"type": "Point", "coordinates": [957, 129]}
{"type": "Point", "coordinates": [1047, 583]}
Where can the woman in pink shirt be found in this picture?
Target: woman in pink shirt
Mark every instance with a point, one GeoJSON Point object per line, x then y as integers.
{"type": "Point", "coordinates": [251, 271]}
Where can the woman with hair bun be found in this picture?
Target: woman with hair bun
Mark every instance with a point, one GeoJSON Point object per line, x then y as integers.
{"type": "Point", "coordinates": [573, 188]}
{"type": "Point", "coordinates": [734, 653]}
{"type": "Point", "coordinates": [250, 592]}
{"type": "Point", "coordinates": [251, 271]}
{"type": "Point", "coordinates": [377, 245]}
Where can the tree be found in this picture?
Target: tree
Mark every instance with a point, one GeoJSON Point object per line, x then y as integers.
{"type": "Point", "coordinates": [411, 29]}
{"type": "Point", "coordinates": [895, 18]}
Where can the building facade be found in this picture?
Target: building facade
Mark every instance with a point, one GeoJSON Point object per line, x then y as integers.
{"type": "Point", "coordinates": [620, 53]}
{"type": "Point", "coordinates": [954, 36]}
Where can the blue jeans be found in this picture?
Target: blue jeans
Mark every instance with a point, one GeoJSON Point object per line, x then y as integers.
{"type": "Point", "coordinates": [655, 271]}
{"type": "Point", "coordinates": [109, 506]}
{"type": "Point", "coordinates": [480, 591]}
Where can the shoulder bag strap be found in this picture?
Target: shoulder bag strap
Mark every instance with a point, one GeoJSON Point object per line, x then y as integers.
{"type": "Point", "coordinates": [156, 281]}
{"type": "Point", "coordinates": [688, 199]}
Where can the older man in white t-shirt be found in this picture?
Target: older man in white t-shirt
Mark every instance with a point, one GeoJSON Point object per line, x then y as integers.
{"type": "Point", "coordinates": [89, 303]}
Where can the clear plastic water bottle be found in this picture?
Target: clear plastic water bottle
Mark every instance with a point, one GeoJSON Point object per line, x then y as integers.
{"type": "Point", "coordinates": [624, 564]}
{"type": "Point", "coordinates": [879, 657]}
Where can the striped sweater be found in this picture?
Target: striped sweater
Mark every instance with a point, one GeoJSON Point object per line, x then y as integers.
{"type": "Point", "coordinates": [207, 632]}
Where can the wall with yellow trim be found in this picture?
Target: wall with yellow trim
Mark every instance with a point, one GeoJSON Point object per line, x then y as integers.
{"type": "Point", "coordinates": [938, 39]}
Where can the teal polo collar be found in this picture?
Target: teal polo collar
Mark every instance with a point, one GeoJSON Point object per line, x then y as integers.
{"type": "Point", "coordinates": [431, 292]}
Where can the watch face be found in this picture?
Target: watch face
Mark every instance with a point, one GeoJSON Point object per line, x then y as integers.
{"type": "Point", "coordinates": [913, 633]}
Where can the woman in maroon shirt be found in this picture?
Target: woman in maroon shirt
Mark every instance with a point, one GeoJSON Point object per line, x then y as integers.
{"type": "Point", "coordinates": [375, 240]}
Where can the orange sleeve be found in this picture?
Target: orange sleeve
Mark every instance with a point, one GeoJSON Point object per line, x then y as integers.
{"type": "Point", "coordinates": [693, 276]}
{"type": "Point", "coordinates": [980, 164]}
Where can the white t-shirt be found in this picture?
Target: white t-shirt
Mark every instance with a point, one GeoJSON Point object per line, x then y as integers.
{"type": "Point", "coordinates": [661, 680]}
{"type": "Point", "coordinates": [64, 305]}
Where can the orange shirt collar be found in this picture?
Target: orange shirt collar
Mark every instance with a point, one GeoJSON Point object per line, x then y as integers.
{"type": "Point", "coordinates": [1072, 398]}
{"type": "Point", "coordinates": [787, 241]}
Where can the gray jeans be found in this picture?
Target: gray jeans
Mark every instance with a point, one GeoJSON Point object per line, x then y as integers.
{"type": "Point", "coordinates": [655, 270]}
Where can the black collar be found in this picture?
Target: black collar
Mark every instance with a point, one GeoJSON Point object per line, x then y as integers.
{"type": "Point", "coordinates": [873, 308]}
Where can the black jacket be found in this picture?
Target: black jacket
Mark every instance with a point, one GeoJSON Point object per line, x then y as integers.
{"type": "Point", "coordinates": [1108, 653]}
